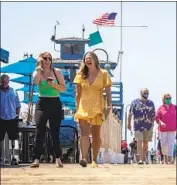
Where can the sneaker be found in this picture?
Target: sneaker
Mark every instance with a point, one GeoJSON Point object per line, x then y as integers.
{"type": "Point", "coordinates": [140, 162]}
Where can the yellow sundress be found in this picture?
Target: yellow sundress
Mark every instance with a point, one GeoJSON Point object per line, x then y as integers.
{"type": "Point", "coordinates": [91, 105]}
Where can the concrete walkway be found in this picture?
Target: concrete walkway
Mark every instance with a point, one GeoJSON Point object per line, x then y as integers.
{"type": "Point", "coordinates": [72, 174]}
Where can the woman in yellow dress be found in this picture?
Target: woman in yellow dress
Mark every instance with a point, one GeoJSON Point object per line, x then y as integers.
{"type": "Point", "coordinates": [92, 82]}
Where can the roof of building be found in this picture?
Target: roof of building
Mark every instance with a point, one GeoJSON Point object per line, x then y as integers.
{"type": "Point", "coordinates": [71, 39]}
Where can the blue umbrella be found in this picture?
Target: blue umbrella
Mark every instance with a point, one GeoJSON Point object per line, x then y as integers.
{"type": "Point", "coordinates": [23, 67]}
{"type": "Point", "coordinates": [21, 80]}
{"type": "Point", "coordinates": [4, 56]}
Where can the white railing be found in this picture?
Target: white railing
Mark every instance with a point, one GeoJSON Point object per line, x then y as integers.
{"type": "Point", "coordinates": [111, 134]}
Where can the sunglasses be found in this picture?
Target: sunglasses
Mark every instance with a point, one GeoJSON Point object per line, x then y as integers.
{"type": "Point", "coordinates": [45, 58]}
{"type": "Point", "coordinates": [146, 93]}
{"type": "Point", "coordinates": [169, 98]}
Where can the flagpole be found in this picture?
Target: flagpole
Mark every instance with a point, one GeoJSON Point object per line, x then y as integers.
{"type": "Point", "coordinates": [83, 31]}
{"type": "Point", "coordinates": [120, 52]}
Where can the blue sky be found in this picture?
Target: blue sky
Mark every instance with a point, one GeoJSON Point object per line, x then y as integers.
{"type": "Point", "coordinates": [149, 58]}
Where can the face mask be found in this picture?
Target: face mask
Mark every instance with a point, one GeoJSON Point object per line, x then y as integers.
{"type": "Point", "coordinates": [167, 101]}
{"type": "Point", "coordinates": [145, 96]}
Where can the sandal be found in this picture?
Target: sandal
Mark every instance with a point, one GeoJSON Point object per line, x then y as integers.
{"type": "Point", "coordinates": [34, 165]}
{"type": "Point", "coordinates": [94, 165]}
{"type": "Point", "coordinates": [140, 162]}
{"type": "Point", "coordinates": [59, 164]}
{"type": "Point", "coordinates": [83, 163]}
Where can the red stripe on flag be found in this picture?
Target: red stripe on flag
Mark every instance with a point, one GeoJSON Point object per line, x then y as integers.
{"type": "Point", "coordinates": [103, 20]}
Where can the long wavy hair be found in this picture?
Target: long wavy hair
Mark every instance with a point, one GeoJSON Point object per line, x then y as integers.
{"type": "Point", "coordinates": [84, 69]}
{"type": "Point", "coordinates": [40, 59]}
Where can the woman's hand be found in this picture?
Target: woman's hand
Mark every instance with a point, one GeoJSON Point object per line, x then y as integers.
{"type": "Point", "coordinates": [107, 112]}
{"type": "Point", "coordinates": [51, 83]}
{"type": "Point", "coordinates": [162, 124]}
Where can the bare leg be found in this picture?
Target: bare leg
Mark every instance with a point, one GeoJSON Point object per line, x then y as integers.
{"type": "Point", "coordinates": [84, 140]}
{"type": "Point", "coordinates": [170, 146]}
{"type": "Point", "coordinates": [169, 159]}
{"type": "Point", "coordinates": [96, 142]}
{"type": "Point", "coordinates": [165, 159]}
{"type": "Point", "coordinates": [140, 150]}
{"type": "Point", "coordinates": [145, 149]}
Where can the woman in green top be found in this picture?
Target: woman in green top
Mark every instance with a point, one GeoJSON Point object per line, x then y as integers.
{"type": "Point", "coordinates": [50, 82]}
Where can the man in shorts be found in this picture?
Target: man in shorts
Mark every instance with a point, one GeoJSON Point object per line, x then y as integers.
{"type": "Point", "coordinates": [9, 112]}
{"type": "Point", "coordinates": [143, 112]}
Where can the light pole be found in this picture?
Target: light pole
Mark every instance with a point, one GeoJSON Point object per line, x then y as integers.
{"type": "Point", "coordinates": [126, 108]}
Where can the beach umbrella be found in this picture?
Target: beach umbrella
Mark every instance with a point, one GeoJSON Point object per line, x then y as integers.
{"type": "Point", "coordinates": [22, 67]}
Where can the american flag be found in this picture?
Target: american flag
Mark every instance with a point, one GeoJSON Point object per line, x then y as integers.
{"type": "Point", "coordinates": [106, 19]}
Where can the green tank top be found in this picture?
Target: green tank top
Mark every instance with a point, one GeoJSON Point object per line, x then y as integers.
{"type": "Point", "coordinates": [46, 90]}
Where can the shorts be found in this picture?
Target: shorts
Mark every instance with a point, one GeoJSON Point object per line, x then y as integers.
{"type": "Point", "coordinates": [144, 136]}
{"type": "Point", "coordinates": [9, 126]}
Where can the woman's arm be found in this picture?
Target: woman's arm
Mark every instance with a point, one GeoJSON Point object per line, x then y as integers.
{"type": "Point", "coordinates": [61, 86]}
{"type": "Point", "coordinates": [108, 96]}
{"type": "Point", "coordinates": [78, 95]}
{"type": "Point", "coordinates": [37, 75]}
{"type": "Point", "coordinates": [158, 116]}
{"type": "Point", "coordinates": [159, 119]}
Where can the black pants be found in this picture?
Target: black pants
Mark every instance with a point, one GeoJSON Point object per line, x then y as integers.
{"type": "Point", "coordinates": [48, 109]}
{"type": "Point", "coordinates": [9, 126]}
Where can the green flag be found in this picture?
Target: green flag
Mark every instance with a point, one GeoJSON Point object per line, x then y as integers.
{"type": "Point", "coordinates": [95, 38]}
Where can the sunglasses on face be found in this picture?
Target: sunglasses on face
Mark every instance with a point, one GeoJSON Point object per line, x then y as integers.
{"type": "Point", "coordinates": [47, 58]}
{"type": "Point", "coordinates": [145, 93]}
{"type": "Point", "coordinates": [168, 98]}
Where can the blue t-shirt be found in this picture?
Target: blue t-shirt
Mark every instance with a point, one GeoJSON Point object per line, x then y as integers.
{"type": "Point", "coordinates": [143, 114]}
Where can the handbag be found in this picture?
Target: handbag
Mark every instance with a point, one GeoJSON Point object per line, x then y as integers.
{"type": "Point", "coordinates": [62, 110]}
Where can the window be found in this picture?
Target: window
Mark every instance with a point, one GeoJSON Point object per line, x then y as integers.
{"type": "Point", "coordinates": [78, 48]}
{"type": "Point", "coordinates": [72, 48]}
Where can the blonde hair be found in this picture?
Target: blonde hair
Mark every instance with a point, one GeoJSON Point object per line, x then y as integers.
{"type": "Point", "coordinates": [164, 96]}
{"type": "Point", "coordinates": [84, 69]}
{"type": "Point", "coordinates": [40, 59]}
